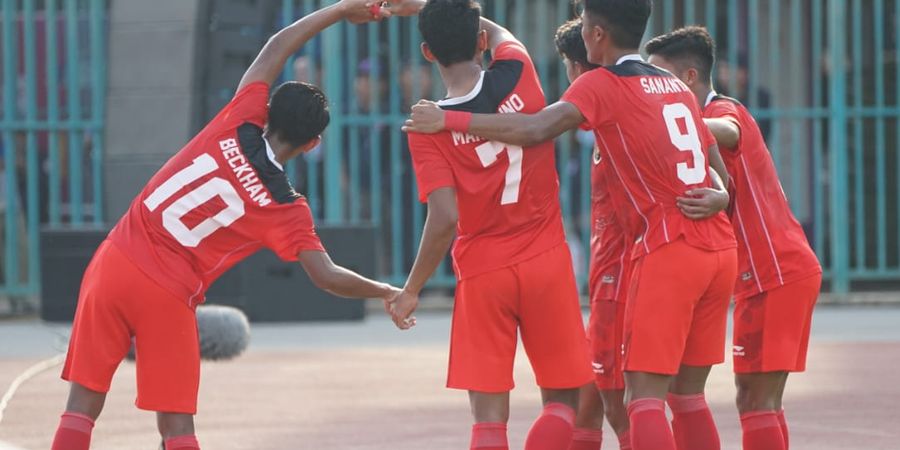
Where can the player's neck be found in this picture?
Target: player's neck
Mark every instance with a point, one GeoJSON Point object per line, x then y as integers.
{"type": "Point", "coordinates": [281, 149]}
{"type": "Point", "coordinates": [615, 54]}
{"type": "Point", "coordinates": [460, 78]}
{"type": "Point", "coordinates": [701, 91]}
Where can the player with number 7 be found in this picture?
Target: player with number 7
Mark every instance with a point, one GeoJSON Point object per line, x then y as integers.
{"type": "Point", "coordinates": [649, 128]}
{"type": "Point", "coordinates": [218, 200]}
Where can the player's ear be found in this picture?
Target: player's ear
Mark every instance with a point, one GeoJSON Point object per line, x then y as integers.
{"type": "Point", "coordinates": [482, 41]}
{"type": "Point", "coordinates": [309, 146]}
{"type": "Point", "coordinates": [691, 76]}
{"type": "Point", "coordinates": [426, 53]}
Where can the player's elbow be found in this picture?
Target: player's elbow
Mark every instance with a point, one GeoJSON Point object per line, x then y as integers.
{"type": "Point", "coordinates": [324, 277]}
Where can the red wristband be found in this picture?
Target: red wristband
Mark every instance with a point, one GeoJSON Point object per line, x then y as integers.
{"type": "Point", "coordinates": [457, 120]}
{"type": "Point", "coordinates": [375, 10]}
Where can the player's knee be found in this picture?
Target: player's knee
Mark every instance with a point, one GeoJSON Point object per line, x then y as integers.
{"type": "Point", "coordinates": [85, 401]}
{"type": "Point", "coordinates": [616, 413]}
{"type": "Point", "coordinates": [753, 395]}
{"type": "Point", "coordinates": [173, 425]}
{"type": "Point", "coordinates": [567, 397]}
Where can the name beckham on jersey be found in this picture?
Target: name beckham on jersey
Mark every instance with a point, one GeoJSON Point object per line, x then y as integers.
{"type": "Point", "coordinates": [244, 172]}
{"type": "Point", "coordinates": [512, 105]}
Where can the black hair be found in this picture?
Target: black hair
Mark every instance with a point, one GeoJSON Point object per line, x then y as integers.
{"type": "Point", "coordinates": [624, 20]}
{"type": "Point", "coordinates": [570, 44]}
{"type": "Point", "coordinates": [450, 28]}
{"type": "Point", "coordinates": [689, 46]}
{"type": "Point", "coordinates": [298, 113]}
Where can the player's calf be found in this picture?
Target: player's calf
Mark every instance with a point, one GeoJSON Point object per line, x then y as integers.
{"type": "Point", "coordinates": [692, 421]}
{"type": "Point", "coordinates": [588, 433]}
{"type": "Point", "coordinates": [77, 423]}
{"type": "Point", "coordinates": [617, 415]}
{"type": "Point", "coordinates": [553, 429]}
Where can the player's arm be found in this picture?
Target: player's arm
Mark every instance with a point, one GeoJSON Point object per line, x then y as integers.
{"type": "Point", "coordinates": [342, 282]}
{"type": "Point", "coordinates": [496, 34]}
{"type": "Point", "coordinates": [727, 133]}
{"type": "Point", "coordinates": [702, 203]}
{"type": "Point", "coordinates": [270, 61]}
{"type": "Point", "coordinates": [440, 227]}
{"type": "Point", "coordinates": [524, 130]}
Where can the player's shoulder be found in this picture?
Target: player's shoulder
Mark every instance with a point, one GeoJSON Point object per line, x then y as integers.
{"type": "Point", "coordinates": [511, 50]}
{"type": "Point", "coordinates": [721, 105]}
{"type": "Point", "coordinates": [635, 68]}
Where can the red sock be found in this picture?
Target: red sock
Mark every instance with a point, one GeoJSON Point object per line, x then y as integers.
{"type": "Point", "coordinates": [692, 423]}
{"type": "Point", "coordinates": [625, 440]}
{"type": "Point", "coordinates": [784, 428]}
{"type": "Point", "coordinates": [553, 429]}
{"type": "Point", "coordinates": [649, 426]}
{"type": "Point", "coordinates": [182, 443]}
{"type": "Point", "coordinates": [586, 439]}
{"type": "Point", "coordinates": [74, 432]}
{"type": "Point", "coordinates": [762, 431]}
{"type": "Point", "coordinates": [489, 436]}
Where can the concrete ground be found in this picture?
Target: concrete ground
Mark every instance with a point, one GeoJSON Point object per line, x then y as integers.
{"type": "Point", "coordinates": [368, 386]}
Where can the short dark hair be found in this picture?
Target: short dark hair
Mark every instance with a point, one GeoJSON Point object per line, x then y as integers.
{"type": "Point", "coordinates": [570, 44]}
{"type": "Point", "coordinates": [450, 28]}
{"type": "Point", "coordinates": [686, 46]}
{"type": "Point", "coordinates": [624, 20]}
{"type": "Point", "coordinates": [298, 113]}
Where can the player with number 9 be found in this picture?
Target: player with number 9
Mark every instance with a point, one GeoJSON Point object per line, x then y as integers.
{"type": "Point", "coordinates": [221, 198]}
{"type": "Point", "coordinates": [513, 266]}
{"type": "Point", "coordinates": [650, 129]}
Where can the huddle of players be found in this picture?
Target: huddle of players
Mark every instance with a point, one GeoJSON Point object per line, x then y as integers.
{"type": "Point", "coordinates": [665, 258]}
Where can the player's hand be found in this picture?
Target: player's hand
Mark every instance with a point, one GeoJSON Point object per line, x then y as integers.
{"type": "Point", "coordinates": [405, 8]}
{"type": "Point", "coordinates": [363, 11]}
{"type": "Point", "coordinates": [390, 297]}
{"type": "Point", "coordinates": [402, 309]}
{"type": "Point", "coordinates": [426, 117]}
{"type": "Point", "coordinates": [702, 203]}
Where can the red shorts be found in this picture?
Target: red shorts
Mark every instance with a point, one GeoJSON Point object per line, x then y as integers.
{"type": "Point", "coordinates": [678, 308]}
{"type": "Point", "coordinates": [771, 329]}
{"type": "Point", "coordinates": [537, 298]}
{"type": "Point", "coordinates": [118, 303]}
{"type": "Point", "coordinates": [605, 332]}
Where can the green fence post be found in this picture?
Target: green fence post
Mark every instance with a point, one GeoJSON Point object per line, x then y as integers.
{"type": "Point", "coordinates": [837, 136]}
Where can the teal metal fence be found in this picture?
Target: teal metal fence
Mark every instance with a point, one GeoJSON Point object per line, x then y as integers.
{"type": "Point", "coordinates": [821, 76]}
{"type": "Point", "coordinates": [52, 97]}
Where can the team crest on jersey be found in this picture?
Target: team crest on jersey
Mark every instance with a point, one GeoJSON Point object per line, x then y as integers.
{"type": "Point", "coordinates": [597, 157]}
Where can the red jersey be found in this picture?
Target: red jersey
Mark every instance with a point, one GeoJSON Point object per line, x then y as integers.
{"type": "Point", "coordinates": [772, 247]}
{"type": "Point", "coordinates": [217, 201]}
{"type": "Point", "coordinates": [508, 197]}
{"type": "Point", "coordinates": [610, 245]}
{"type": "Point", "coordinates": [648, 125]}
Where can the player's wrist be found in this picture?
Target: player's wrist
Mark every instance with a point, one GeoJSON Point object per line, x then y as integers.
{"type": "Point", "coordinates": [457, 120]}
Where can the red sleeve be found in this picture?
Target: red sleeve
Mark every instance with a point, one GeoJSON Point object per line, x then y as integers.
{"type": "Point", "coordinates": [590, 97]}
{"type": "Point", "coordinates": [708, 138]}
{"type": "Point", "coordinates": [724, 109]}
{"type": "Point", "coordinates": [432, 169]}
{"type": "Point", "coordinates": [250, 104]}
{"type": "Point", "coordinates": [293, 231]}
{"type": "Point", "coordinates": [511, 50]}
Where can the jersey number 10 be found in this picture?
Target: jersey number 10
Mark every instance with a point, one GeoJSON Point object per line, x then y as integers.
{"type": "Point", "coordinates": [172, 215]}
{"type": "Point", "coordinates": [488, 152]}
{"type": "Point", "coordinates": [686, 142]}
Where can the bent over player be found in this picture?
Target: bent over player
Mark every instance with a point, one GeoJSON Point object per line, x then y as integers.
{"type": "Point", "coordinates": [779, 275]}
{"type": "Point", "coordinates": [513, 267]}
{"type": "Point", "coordinates": [607, 284]}
{"type": "Point", "coordinates": [218, 200]}
{"type": "Point", "coordinates": [649, 126]}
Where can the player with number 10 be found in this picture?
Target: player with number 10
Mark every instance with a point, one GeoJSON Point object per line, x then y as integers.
{"type": "Point", "coordinates": [221, 198]}
{"type": "Point", "coordinates": [649, 128]}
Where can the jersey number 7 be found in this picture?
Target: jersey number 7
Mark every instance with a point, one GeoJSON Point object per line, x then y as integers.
{"type": "Point", "coordinates": [488, 152]}
{"type": "Point", "coordinates": [172, 215]}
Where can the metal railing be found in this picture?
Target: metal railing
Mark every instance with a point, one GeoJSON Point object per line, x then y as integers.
{"type": "Point", "coordinates": [53, 93]}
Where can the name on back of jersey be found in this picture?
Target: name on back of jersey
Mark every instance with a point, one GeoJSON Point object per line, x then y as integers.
{"type": "Point", "coordinates": [513, 104]}
{"type": "Point", "coordinates": [244, 172]}
{"type": "Point", "coordinates": [661, 85]}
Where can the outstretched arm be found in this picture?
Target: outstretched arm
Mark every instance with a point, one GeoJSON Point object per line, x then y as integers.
{"type": "Point", "coordinates": [440, 227]}
{"type": "Point", "coordinates": [525, 130]}
{"type": "Point", "coordinates": [727, 133]}
{"type": "Point", "coordinates": [496, 34]}
{"type": "Point", "coordinates": [270, 61]}
{"type": "Point", "coordinates": [342, 282]}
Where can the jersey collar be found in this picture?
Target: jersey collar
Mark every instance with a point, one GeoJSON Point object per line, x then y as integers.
{"type": "Point", "coordinates": [271, 154]}
{"type": "Point", "coordinates": [631, 57]}
{"type": "Point", "coordinates": [710, 97]}
{"type": "Point", "coordinates": [465, 98]}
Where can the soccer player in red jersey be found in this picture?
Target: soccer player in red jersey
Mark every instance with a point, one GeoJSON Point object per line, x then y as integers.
{"type": "Point", "coordinates": [218, 200]}
{"type": "Point", "coordinates": [607, 283]}
{"type": "Point", "coordinates": [779, 275]}
{"type": "Point", "coordinates": [649, 126]}
{"type": "Point", "coordinates": [513, 266]}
